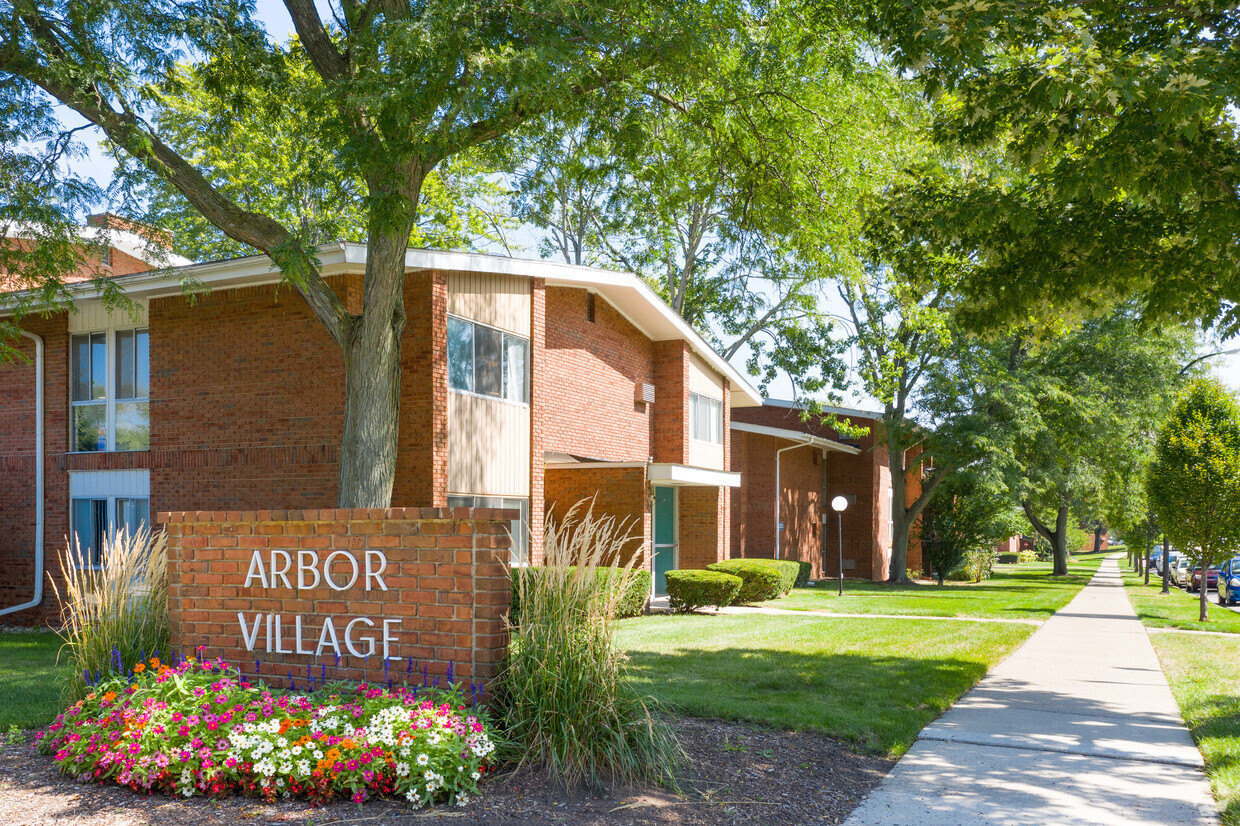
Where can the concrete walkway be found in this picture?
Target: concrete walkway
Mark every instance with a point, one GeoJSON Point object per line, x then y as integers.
{"type": "Point", "coordinates": [1078, 726]}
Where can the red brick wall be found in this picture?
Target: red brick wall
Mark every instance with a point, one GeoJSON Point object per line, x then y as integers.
{"type": "Point", "coordinates": [801, 479]}
{"type": "Point", "coordinates": [422, 454]}
{"type": "Point", "coordinates": [540, 413]}
{"type": "Point", "coordinates": [590, 378]}
{"type": "Point", "coordinates": [17, 469]}
{"type": "Point", "coordinates": [247, 393]}
{"type": "Point", "coordinates": [671, 402]}
{"type": "Point", "coordinates": [620, 492]}
{"type": "Point", "coordinates": [445, 577]}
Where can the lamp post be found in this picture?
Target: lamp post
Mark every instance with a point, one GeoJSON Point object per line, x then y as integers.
{"type": "Point", "coordinates": [839, 504]}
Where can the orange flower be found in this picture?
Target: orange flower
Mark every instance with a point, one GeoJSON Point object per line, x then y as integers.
{"type": "Point", "coordinates": [139, 668]}
{"type": "Point", "coordinates": [347, 744]}
{"type": "Point", "coordinates": [109, 697]}
{"type": "Point", "coordinates": [154, 662]}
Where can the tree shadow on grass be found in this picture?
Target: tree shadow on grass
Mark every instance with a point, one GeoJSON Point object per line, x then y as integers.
{"type": "Point", "coordinates": [1216, 730]}
{"type": "Point", "coordinates": [874, 704]}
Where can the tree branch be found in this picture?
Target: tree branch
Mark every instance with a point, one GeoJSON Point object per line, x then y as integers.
{"type": "Point", "coordinates": [315, 39]}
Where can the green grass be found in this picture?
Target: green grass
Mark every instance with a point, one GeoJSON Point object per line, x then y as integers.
{"type": "Point", "coordinates": [1206, 684]}
{"type": "Point", "coordinates": [1176, 609]}
{"type": "Point", "coordinates": [29, 693]}
{"type": "Point", "coordinates": [872, 683]}
{"type": "Point", "coordinates": [1014, 592]}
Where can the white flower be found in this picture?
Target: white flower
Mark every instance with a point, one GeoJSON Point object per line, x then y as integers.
{"type": "Point", "coordinates": [462, 799]}
{"type": "Point", "coordinates": [318, 755]}
{"type": "Point", "coordinates": [475, 775]}
{"type": "Point", "coordinates": [423, 759]}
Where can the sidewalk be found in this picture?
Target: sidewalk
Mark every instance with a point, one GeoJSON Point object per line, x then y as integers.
{"type": "Point", "coordinates": [1078, 726]}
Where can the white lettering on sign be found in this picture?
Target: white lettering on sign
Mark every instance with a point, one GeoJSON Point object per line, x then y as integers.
{"type": "Point", "coordinates": [339, 571]}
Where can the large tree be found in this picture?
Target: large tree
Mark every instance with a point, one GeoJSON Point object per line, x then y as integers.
{"type": "Point", "coordinates": [1118, 124]}
{"type": "Point", "coordinates": [395, 88]}
{"type": "Point", "coordinates": [1065, 411]}
{"type": "Point", "coordinates": [1194, 480]}
{"type": "Point", "coordinates": [739, 199]}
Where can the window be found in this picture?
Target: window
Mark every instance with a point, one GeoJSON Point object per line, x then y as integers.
{"type": "Point", "coordinates": [519, 553]}
{"type": "Point", "coordinates": [706, 419]}
{"type": "Point", "coordinates": [487, 362]}
{"type": "Point", "coordinates": [111, 390]}
{"type": "Point", "coordinates": [105, 257]}
{"type": "Point", "coordinates": [96, 518]}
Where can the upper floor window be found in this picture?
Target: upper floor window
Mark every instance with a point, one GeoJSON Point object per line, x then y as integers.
{"type": "Point", "coordinates": [111, 390]}
{"type": "Point", "coordinates": [486, 361]}
{"type": "Point", "coordinates": [705, 419]}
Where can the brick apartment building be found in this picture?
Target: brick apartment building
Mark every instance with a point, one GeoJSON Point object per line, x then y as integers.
{"type": "Point", "coordinates": [814, 465]}
{"type": "Point", "coordinates": [527, 385]}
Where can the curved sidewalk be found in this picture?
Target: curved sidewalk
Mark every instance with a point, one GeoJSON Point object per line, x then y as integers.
{"type": "Point", "coordinates": [1077, 726]}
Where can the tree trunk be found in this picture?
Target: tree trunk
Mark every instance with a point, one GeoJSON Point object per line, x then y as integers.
{"type": "Point", "coordinates": [372, 348]}
{"type": "Point", "coordinates": [1148, 550]}
{"type": "Point", "coordinates": [1060, 542]}
{"type": "Point", "coordinates": [1098, 539]}
{"type": "Point", "coordinates": [1058, 538]}
{"type": "Point", "coordinates": [897, 569]}
{"type": "Point", "coordinates": [1205, 603]}
{"type": "Point", "coordinates": [1166, 567]}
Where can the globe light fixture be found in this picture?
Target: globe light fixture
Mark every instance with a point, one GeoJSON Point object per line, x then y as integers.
{"type": "Point", "coordinates": [839, 504]}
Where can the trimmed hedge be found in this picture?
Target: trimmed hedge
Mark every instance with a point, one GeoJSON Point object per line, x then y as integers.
{"type": "Point", "coordinates": [761, 577]}
{"type": "Point", "coordinates": [807, 571]}
{"type": "Point", "coordinates": [632, 603]}
{"type": "Point", "coordinates": [689, 590]}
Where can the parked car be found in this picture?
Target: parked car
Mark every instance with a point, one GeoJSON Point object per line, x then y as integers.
{"type": "Point", "coordinates": [1156, 562]}
{"type": "Point", "coordinates": [1211, 578]}
{"type": "Point", "coordinates": [1179, 569]}
{"type": "Point", "coordinates": [1229, 582]}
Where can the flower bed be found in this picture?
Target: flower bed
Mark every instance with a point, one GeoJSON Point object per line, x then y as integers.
{"type": "Point", "coordinates": [198, 728]}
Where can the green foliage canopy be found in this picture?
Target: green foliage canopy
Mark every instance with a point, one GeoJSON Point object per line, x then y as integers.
{"type": "Point", "coordinates": [1117, 125]}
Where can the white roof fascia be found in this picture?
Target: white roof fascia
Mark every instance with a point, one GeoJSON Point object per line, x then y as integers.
{"type": "Point", "coordinates": [585, 465]}
{"type": "Point", "coordinates": [669, 473]}
{"type": "Point", "coordinates": [796, 436]}
{"type": "Point", "coordinates": [826, 408]}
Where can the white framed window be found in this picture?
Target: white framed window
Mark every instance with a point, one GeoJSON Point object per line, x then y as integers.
{"type": "Point", "coordinates": [101, 504]}
{"type": "Point", "coordinates": [110, 390]}
{"type": "Point", "coordinates": [486, 361]}
{"type": "Point", "coordinates": [519, 553]}
{"type": "Point", "coordinates": [705, 419]}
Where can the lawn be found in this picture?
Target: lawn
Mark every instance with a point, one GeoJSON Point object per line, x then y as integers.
{"type": "Point", "coordinates": [1014, 592]}
{"type": "Point", "coordinates": [1205, 682]}
{"type": "Point", "coordinates": [1177, 609]}
{"type": "Point", "coordinates": [871, 683]}
{"type": "Point", "coordinates": [29, 695]}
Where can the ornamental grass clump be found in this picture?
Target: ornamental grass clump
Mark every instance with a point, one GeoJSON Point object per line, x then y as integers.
{"type": "Point", "coordinates": [113, 616]}
{"type": "Point", "coordinates": [565, 703]}
{"type": "Point", "coordinates": [198, 728]}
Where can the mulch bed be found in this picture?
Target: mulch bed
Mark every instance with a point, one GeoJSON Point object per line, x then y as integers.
{"type": "Point", "coordinates": [737, 775]}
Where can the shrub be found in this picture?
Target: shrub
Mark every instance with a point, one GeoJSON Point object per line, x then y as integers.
{"type": "Point", "coordinates": [979, 564]}
{"type": "Point", "coordinates": [1030, 555]}
{"type": "Point", "coordinates": [114, 616]}
{"type": "Point", "coordinates": [806, 571]}
{"type": "Point", "coordinates": [690, 590]}
{"type": "Point", "coordinates": [567, 707]}
{"type": "Point", "coordinates": [633, 598]}
{"type": "Point", "coordinates": [198, 729]}
{"type": "Point", "coordinates": [762, 578]}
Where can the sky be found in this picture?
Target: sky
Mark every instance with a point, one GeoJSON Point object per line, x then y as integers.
{"type": "Point", "coordinates": [280, 27]}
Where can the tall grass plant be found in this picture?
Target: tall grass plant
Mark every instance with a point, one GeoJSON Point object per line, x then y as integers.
{"type": "Point", "coordinates": [566, 706]}
{"type": "Point", "coordinates": [114, 616]}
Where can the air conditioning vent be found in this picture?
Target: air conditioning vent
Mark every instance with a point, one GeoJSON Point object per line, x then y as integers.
{"type": "Point", "coordinates": [645, 393]}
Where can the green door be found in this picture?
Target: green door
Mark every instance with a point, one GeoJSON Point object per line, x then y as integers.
{"type": "Point", "coordinates": [664, 536]}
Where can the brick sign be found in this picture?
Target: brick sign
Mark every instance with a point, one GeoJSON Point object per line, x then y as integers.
{"type": "Point", "coordinates": [354, 588]}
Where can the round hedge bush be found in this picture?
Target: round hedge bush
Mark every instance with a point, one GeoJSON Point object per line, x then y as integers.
{"type": "Point", "coordinates": [762, 578]}
{"type": "Point", "coordinates": [688, 590]}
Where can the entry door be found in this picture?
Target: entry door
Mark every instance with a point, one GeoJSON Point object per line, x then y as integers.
{"type": "Point", "coordinates": [664, 536]}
